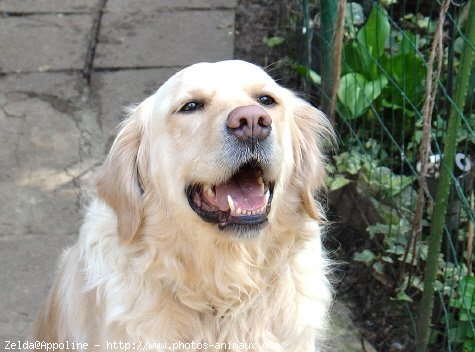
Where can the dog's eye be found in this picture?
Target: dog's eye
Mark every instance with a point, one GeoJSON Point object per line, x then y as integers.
{"type": "Point", "coordinates": [191, 106]}
{"type": "Point", "coordinates": [266, 100]}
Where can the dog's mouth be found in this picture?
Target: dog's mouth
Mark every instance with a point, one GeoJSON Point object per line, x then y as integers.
{"type": "Point", "coordinates": [241, 203]}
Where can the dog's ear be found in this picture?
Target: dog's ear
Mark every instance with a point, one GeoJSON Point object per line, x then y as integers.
{"type": "Point", "coordinates": [120, 183]}
{"type": "Point", "coordinates": [312, 133]}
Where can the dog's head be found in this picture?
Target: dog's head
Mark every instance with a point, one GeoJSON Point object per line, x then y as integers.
{"type": "Point", "coordinates": [221, 144]}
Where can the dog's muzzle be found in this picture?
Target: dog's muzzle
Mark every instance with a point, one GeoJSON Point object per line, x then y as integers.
{"type": "Point", "coordinates": [241, 203]}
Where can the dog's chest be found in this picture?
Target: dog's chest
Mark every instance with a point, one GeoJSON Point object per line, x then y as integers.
{"type": "Point", "coordinates": [262, 321]}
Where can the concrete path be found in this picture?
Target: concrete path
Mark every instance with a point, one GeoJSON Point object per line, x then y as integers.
{"type": "Point", "coordinates": [67, 67]}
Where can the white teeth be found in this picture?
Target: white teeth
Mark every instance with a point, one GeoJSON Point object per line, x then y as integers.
{"type": "Point", "coordinates": [236, 211]}
{"type": "Point", "coordinates": [209, 191]}
{"type": "Point", "coordinates": [261, 184]}
{"type": "Point", "coordinates": [231, 205]}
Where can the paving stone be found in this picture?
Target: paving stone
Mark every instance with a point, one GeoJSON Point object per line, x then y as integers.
{"type": "Point", "coordinates": [46, 152]}
{"type": "Point", "coordinates": [38, 6]}
{"type": "Point", "coordinates": [48, 131]}
{"type": "Point", "coordinates": [63, 85]}
{"type": "Point", "coordinates": [161, 39]}
{"type": "Point", "coordinates": [153, 5]}
{"type": "Point", "coordinates": [117, 90]}
{"type": "Point", "coordinates": [27, 269]}
{"type": "Point", "coordinates": [44, 42]}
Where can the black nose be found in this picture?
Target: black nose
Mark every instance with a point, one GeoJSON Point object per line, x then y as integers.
{"type": "Point", "coordinates": [249, 123]}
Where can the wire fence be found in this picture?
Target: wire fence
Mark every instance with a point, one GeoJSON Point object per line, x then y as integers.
{"type": "Point", "coordinates": [396, 77]}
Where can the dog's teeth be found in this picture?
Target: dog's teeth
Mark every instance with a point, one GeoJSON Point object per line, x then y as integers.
{"type": "Point", "coordinates": [231, 205]}
{"type": "Point", "coordinates": [260, 181]}
{"type": "Point", "coordinates": [209, 191]}
{"type": "Point", "coordinates": [267, 197]}
{"type": "Point", "coordinates": [254, 212]}
{"type": "Point", "coordinates": [239, 211]}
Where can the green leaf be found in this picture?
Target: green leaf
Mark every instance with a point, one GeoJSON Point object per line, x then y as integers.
{"type": "Point", "coordinates": [372, 37]}
{"type": "Point", "coordinates": [378, 267]}
{"type": "Point", "coordinates": [273, 41]}
{"type": "Point", "coordinates": [378, 229]}
{"type": "Point", "coordinates": [353, 58]}
{"type": "Point", "coordinates": [375, 32]}
{"type": "Point", "coordinates": [304, 71]}
{"type": "Point", "coordinates": [422, 250]}
{"type": "Point", "coordinates": [365, 256]}
{"type": "Point", "coordinates": [348, 163]}
{"type": "Point", "coordinates": [458, 45]}
{"type": "Point", "coordinates": [457, 333]}
{"type": "Point", "coordinates": [469, 345]}
{"type": "Point", "coordinates": [464, 316]}
{"type": "Point", "coordinates": [408, 44]}
{"type": "Point", "coordinates": [315, 77]}
{"type": "Point", "coordinates": [467, 285]}
{"type": "Point", "coordinates": [331, 169]}
{"type": "Point", "coordinates": [423, 22]}
{"type": "Point", "coordinates": [406, 74]}
{"type": "Point", "coordinates": [417, 283]}
{"type": "Point", "coordinates": [338, 182]}
{"type": "Point", "coordinates": [402, 296]}
{"type": "Point", "coordinates": [465, 297]}
{"type": "Point", "coordinates": [357, 93]}
{"type": "Point", "coordinates": [397, 249]}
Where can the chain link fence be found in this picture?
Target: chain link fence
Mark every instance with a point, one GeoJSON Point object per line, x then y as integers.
{"type": "Point", "coordinates": [396, 77]}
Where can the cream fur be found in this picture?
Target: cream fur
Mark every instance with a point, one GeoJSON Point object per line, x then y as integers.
{"type": "Point", "coordinates": [146, 268]}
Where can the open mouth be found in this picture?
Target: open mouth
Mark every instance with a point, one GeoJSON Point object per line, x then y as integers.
{"type": "Point", "coordinates": [241, 203]}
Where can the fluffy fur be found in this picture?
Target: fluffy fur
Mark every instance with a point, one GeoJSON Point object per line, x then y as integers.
{"type": "Point", "coordinates": [147, 269]}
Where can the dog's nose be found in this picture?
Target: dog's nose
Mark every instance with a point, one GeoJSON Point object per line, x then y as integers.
{"type": "Point", "coordinates": [249, 123]}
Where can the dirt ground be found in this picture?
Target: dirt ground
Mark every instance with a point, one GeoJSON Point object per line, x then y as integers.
{"type": "Point", "coordinates": [255, 19]}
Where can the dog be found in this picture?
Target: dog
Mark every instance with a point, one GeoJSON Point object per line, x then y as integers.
{"type": "Point", "coordinates": [205, 233]}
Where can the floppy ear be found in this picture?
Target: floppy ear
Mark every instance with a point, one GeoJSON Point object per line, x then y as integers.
{"type": "Point", "coordinates": [120, 184]}
{"type": "Point", "coordinates": [311, 134]}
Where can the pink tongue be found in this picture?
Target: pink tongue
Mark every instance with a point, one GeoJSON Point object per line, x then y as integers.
{"type": "Point", "coordinates": [244, 189]}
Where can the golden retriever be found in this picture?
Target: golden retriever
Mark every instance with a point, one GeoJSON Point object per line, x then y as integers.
{"type": "Point", "coordinates": [205, 234]}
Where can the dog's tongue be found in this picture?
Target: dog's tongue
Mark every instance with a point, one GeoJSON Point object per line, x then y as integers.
{"type": "Point", "coordinates": [246, 189]}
